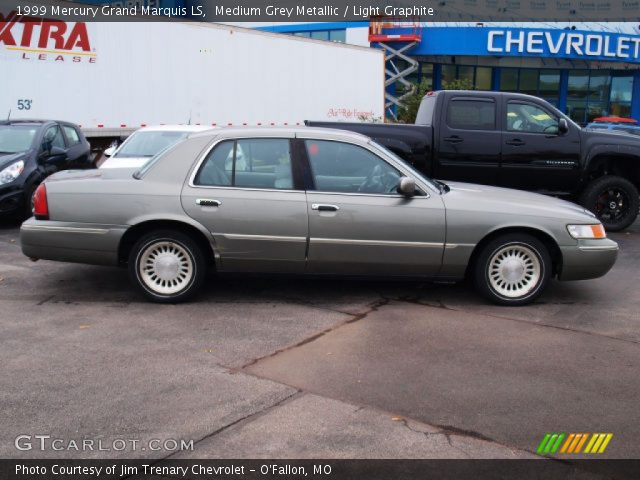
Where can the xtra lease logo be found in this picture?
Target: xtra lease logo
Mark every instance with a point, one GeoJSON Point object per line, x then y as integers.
{"type": "Point", "coordinates": [45, 39]}
{"type": "Point", "coordinates": [573, 443]}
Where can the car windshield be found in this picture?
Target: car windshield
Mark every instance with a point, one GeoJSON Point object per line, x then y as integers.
{"type": "Point", "coordinates": [148, 144]}
{"type": "Point", "coordinates": [414, 172]}
{"type": "Point", "coordinates": [16, 138]}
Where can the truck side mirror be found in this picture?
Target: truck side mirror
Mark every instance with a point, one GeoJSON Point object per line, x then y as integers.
{"type": "Point", "coordinates": [407, 186]}
{"type": "Point", "coordinates": [109, 151]}
{"type": "Point", "coordinates": [563, 126]}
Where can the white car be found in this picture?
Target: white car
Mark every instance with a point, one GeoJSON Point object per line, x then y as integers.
{"type": "Point", "coordinates": [146, 143]}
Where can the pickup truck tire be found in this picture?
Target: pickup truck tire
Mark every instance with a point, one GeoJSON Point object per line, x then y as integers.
{"type": "Point", "coordinates": [167, 266]}
{"type": "Point", "coordinates": [513, 269]}
{"type": "Point", "coordinates": [614, 200]}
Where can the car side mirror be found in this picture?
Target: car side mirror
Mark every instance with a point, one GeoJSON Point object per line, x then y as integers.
{"type": "Point", "coordinates": [109, 151]}
{"type": "Point", "coordinates": [56, 154]}
{"type": "Point", "coordinates": [563, 126]}
{"type": "Point", "coordinates": [407, 187]}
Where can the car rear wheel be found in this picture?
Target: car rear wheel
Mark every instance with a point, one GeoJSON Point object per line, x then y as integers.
{"type": "Point", "coordinates": [167, 266]}
{"type": "Point", "coordinates": [614, 200]}
{"type": "Point", "coordinates": [513, 269]}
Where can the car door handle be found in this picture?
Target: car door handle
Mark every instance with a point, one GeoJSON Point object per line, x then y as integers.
{"type": "Point", "coordinates": [454, 139]}
{"type": "Point", "coordinates": [208, 202]}
{"type": "Point", "coordinates": [516, 142]}
{"type": "Point", "coordinates": [323, 207]}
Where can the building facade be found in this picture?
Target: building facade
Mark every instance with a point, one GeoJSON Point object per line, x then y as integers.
{"type": "Point", "coordinates": [587, 70]}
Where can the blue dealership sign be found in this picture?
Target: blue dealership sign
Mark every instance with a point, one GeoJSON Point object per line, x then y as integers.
{"type": "Point", "coordinates": [529, 42]}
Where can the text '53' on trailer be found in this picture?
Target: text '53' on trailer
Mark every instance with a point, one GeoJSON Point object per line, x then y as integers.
{"type": "Point", "coordinates": [112, 78]}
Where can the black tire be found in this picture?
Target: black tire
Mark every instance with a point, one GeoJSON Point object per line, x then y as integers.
{"type": "Point", "coordinates": [176, 261]}
{"type": "Point", "coordinates": [495, 283]}
{"type": "Point", "coordinates": [614, 200]}
{"type": "Point", "coordinates": [27, 208]}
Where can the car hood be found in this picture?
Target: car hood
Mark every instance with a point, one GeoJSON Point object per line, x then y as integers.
{"type": "Point", "coordinates": [615, 137]}
{"type": "Point", "coordinates": [7, 159]}
{"type": "Point", "coordinates": [125, 162]}
{"type": "Point", "coordinates": [506, 200]}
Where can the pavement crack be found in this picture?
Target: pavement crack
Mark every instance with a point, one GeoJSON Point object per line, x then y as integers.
{"type": "Point", "coordinates": [441, 305]}
{"type": "Point", "coordinates": [373, 307]}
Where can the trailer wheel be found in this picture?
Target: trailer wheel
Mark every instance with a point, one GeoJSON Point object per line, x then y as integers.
{"type": "Point", "coordinates": [614, 200]}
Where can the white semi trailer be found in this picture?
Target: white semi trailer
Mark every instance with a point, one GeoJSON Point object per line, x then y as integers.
{"type": "Point", "coordinates": [114, 77]}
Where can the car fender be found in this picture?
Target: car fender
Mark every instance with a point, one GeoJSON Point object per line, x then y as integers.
{"type": "Point", "coordinates": [172, 217]}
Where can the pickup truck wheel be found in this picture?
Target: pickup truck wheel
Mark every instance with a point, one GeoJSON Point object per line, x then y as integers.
{"type": "Point", "coordinates": [614, 200]}
{"type": "Point", "coordinates": [167, 266]}
{"type": "Point", "coordinates": [29, 199]}
{"type": "Point", "coordinates": [513, 269]}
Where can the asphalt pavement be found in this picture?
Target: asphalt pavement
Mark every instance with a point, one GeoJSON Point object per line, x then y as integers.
{"type": "Point", "coordinates": [295, 368]}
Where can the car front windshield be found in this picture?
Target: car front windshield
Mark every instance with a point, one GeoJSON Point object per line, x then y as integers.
{"type": "Point", "coordinates": [148, 144]}
{"type": "Point", "coordinates": [415, 172]}
{"type": "Point", "coordinates": [16, 138]}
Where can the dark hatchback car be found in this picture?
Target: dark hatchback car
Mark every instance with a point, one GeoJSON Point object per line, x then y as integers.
{"type": "Point", "coordinates": [30, 151]}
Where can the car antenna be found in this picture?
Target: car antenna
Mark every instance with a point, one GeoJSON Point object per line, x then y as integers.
{"type": "Point", "coordinates": [9, 115]}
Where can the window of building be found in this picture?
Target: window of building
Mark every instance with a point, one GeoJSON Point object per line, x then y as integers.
{"type": "Point", "coordinates": [250, 163]}
{"type": "Point", "coordinates": [343, 167]}
{"type": "Point", "coordinates": [528, 82]}
{"type": "Point", "coordinates": [471, 114]}
{"type": "Point", "coordinates": [509, 79]}
{"type": "Point", "coordinates": [337, 35]}
{"type": "Point", "coordinates": [620, 96]}
{"type": "Point", "coordinates": [466, 77]}
{"type": "Point", "coordinates": [549, 85]}
{"type": "Point", "coordinates": [483, 78]}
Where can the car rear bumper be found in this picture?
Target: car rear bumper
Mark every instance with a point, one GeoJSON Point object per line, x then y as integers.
{"type": "Point", "coordinates": [588, 259]}
{"type": "Point", "coordinates": [71, 242]}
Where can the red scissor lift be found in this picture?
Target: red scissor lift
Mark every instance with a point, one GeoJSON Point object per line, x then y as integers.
{"type": "Point", "coordinates": [396, 36]}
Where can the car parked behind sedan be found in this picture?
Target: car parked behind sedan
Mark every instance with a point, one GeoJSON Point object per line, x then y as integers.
{"type": "Point", "coordinates": [30, 151]}
{"type": "Point", "coordinates": [146, 142]}
{"type": "Point", "coordinates": [311, 202]}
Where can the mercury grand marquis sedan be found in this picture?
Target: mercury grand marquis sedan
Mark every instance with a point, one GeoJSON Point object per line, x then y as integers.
{"type": "Point", "coordinates": [308, 201]}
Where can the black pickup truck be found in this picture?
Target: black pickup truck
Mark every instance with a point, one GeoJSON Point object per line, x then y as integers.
{"type": "Point", "coordinates": [517, 141]}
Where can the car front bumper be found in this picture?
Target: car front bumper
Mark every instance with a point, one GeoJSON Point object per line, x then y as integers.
{"type": "Point", "coordinates": [71, 242]}
{"type": "Point", "coordinates": [588, 259]}
{"type": "Point", "coordinates": [11, 200]}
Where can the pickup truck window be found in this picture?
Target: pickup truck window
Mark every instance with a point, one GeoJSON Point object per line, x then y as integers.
{"type": "Point", "coordinates": [426, 110]}
{"type": "Point", "coordinates": [525, 117]}
{"type": "Point", "coordinates": [343, 167]}
{"type": "Point", "coordinates": [471, 114]}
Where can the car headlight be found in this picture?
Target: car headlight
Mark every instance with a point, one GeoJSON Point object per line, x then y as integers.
{"type": "Point", "coordinates": [12, 172]}
{"type": "Point", "coordinates": [587, 231]}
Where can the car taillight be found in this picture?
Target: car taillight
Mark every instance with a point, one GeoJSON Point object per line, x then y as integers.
{"type": "Point", "coordinates": [40, 205]}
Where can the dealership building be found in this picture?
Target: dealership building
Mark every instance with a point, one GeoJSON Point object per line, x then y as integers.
{"type": "Point", "coordinates": [587, 70]}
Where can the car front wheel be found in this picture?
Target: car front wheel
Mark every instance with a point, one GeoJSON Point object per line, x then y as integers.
{"type": "Point", "coordinates": [167, 266]}
{"type": "Point", "coordinates": [513, 269]}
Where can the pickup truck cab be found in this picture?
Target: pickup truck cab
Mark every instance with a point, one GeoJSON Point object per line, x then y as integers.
{"type": "Point", "coordinates": [517, 141]}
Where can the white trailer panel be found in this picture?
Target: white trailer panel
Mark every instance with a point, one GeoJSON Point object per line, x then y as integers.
{"type": "Point", "coordinates": [120, 76]}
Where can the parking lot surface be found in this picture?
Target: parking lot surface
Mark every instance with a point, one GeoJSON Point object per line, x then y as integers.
{"type": "Point", "coordinates": [296, 368]}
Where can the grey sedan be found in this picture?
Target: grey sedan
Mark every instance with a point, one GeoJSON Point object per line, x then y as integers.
{"type": "Point", "coordinates": [308, 201]}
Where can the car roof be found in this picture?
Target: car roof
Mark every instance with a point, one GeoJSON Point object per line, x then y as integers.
{"type": "Point", "coordinates": [175, 128]}
{"type": "Point", "coordinates": [34, 121]}
{"type": "Point", "coordinates": [298, 131]}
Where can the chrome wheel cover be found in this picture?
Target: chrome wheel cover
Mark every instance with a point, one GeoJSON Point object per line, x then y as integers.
{"type": "Point", "coordinates": [514, 271]}
{"type": "Point", "coordinates": [165, 267]}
